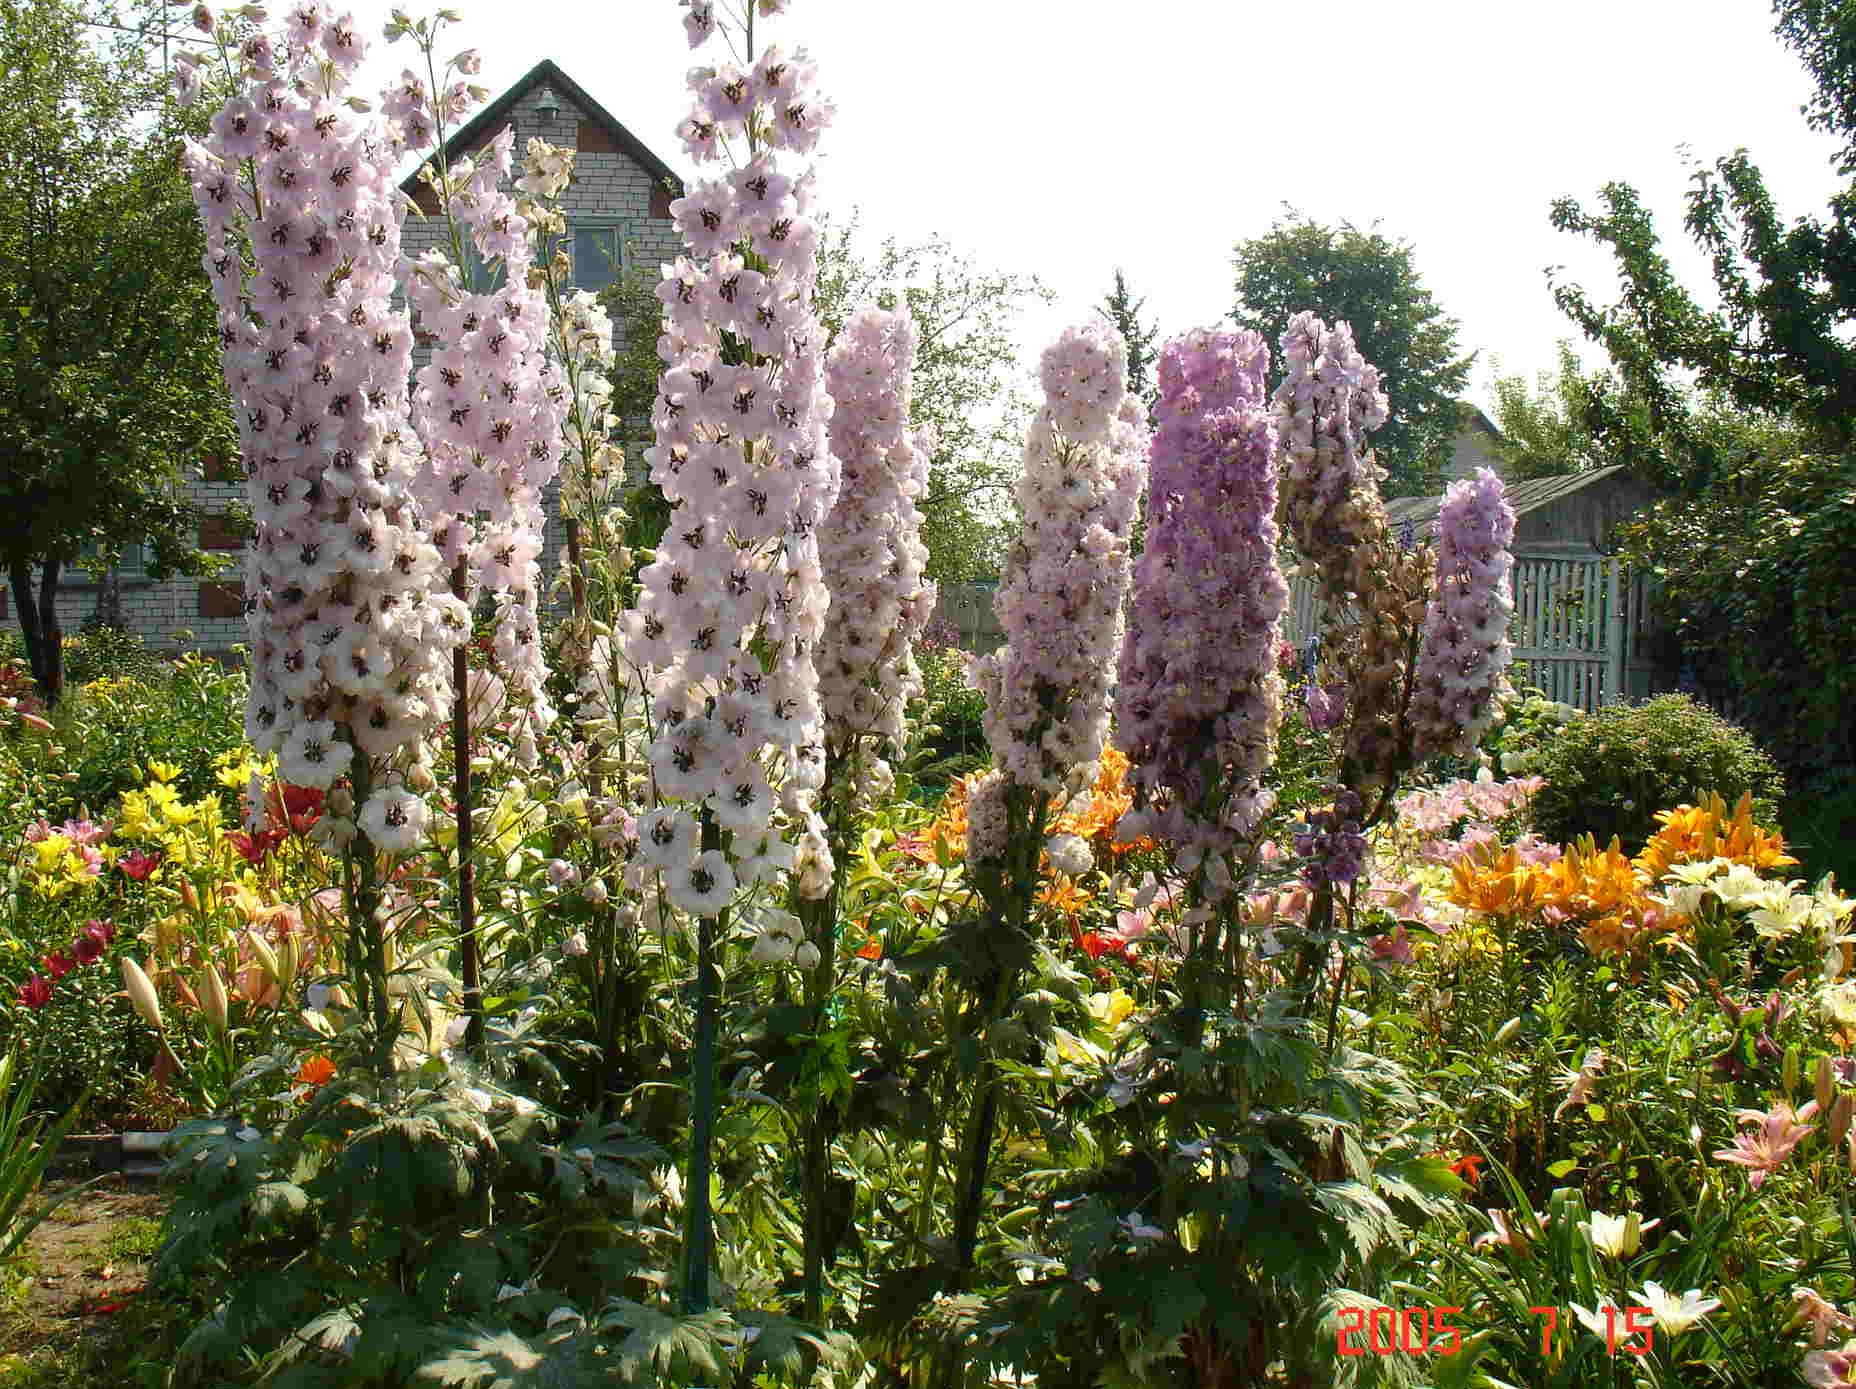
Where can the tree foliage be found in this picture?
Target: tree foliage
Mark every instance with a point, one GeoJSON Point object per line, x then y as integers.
{"type": "Point", "coordinates": [109, 375]}
{"type": "Point", "coordinates": [966, 379]}
{"type": "Point", "coordinates": [1746, 414]}
{"type": "Point", "coordinates": [1372, 282]}
{"type": "Point", "coordinates": [1124, 311]}
{"type": "Point", "coordinates": [1544, 426]}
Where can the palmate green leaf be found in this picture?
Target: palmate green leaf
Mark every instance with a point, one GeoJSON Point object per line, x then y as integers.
{"type": "Point", "coordinates": [680, 1349]}
{"type": "Point", "coordinates": [332, 1332]}
{"type": "Point", "coordinates": [1365, 1216]}
{"type": "Point", "coordinates": [482, 1359]}
{"type": "Point", "coordinates": [780, 1345]}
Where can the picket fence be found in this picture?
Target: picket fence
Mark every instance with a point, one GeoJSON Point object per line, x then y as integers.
{"type": "Point", "coordinates": [1580, 623]}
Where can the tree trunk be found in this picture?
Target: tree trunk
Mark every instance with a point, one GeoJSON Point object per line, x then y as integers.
{"type": "Point", "coordinates": [38, 620]}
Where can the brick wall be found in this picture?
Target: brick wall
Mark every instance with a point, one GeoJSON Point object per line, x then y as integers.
{"type": "Point", "coordinates": [610, 192]}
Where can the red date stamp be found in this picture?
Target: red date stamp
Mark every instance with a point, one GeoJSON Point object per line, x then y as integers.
{"type": "Point", "coordinates": [1431, 1330]}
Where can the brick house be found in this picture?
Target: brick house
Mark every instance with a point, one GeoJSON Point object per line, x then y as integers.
{"type": "Point", "coordinates": [618, 218]}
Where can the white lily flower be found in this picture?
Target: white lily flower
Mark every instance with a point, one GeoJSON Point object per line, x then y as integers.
{"type": "Point", "coordinates": [1675, 1315]}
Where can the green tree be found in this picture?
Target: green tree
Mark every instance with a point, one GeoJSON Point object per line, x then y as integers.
{"type": "Point", "coordinates": [109, 378]}
{"type": "Point", "coordinates": [1372, 282]}
{"type": "Point", "coordinates": [1544, 429]}
{"type": "Point", "coordinates": [1124, 311]}
{"type": "Point", "coordinates": [966, 380]}
{"type": "Point", "coordinates": [1746, 414]}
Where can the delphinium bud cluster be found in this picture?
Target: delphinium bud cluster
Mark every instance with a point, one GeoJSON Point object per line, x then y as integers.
{"type": "Point", "coordinates": [1466, 647]}
{"type": "Point", "coordinates": [1373, 589]}
{"type": "Point", "coordinates": [1048, 687]}
{"type": "Point", "coordinates": [1332, 843]}
{"type": "Point", "coordinates": [1199, 700]}
{"type": "Point", "coordinates": [351, 626]}
{"type": "Point", "coordinates": [489, 406]}
{"type": "Point", "coordinates": [731, 609]}
{"type": "Point", "coordinates": [871, 549]}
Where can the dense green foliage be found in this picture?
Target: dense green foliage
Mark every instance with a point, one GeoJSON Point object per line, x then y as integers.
{"type": "Point", "coordinates": [1608, 773]}
{"type": "Point", "coordinates": [1369, 280]}
{"type": "Point", "coordinates": [1746, 414]}
{"type": "Point", "coordinates": [1544, 428]}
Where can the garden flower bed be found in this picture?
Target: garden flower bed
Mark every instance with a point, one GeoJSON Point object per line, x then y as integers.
{"type": "Point", "coordinates": [607, 995]}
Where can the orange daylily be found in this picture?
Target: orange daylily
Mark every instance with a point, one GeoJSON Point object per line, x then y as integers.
{"type": "Point", "coordinates": [316, 1069]}
{"type": "Point", "coordinates": [1064, 897]}
{"type": "Point", "coordinates": [1496, 884]}
{"type": "Point", "coordinates": [1696, 833]}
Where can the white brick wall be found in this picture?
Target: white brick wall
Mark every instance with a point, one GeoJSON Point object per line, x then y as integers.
{"type": "Point", "coordinates": [610, 190]}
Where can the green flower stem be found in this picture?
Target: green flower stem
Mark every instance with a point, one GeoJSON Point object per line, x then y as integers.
{"type": "Point", "coordinates": [699, 1217]}
{"type": "Point", "coordinates": [361, 891]}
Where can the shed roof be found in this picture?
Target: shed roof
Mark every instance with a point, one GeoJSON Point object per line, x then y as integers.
{"type": "Point", "coordinates": [1524, 497]}
{"type": "Point", "coordinates": [480, 127]}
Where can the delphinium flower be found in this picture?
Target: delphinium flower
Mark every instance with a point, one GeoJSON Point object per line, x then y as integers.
{"type": "Point", "coordinates": [489, 406]}
{"type": "Point", "coordinates": [731, 609]}
{"type": "Point", "coordinates": [1200, 694]}
{"type": "Point", "coordinates": [1370, 585]}
{"type": "Point", "coordinates": [351, 626]}
{"type": "Point", "coordinates": [871, 549]}
{"type": "Point", "coordinates": [1060, 600]}
{"type": "Point", "coordinates": [1466, 647]}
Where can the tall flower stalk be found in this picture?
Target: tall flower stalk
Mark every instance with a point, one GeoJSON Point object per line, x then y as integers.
{"type": "Point", "coordinates": [872, 555]}
{"type": "Point", "coordinates": [488, 406]}
{"type": "Point", "coordinates": [350, 619]}
{"type": "Point", "coordinates": [1199, 700]}
{"type": "Point", "coordinates": [731, 608]}
{"type": "Point", "coordinates": [1048, 688]}
{"type": "Point", "coordinates": [1410, 655]}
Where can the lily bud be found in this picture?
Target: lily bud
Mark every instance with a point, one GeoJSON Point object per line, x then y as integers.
{"type": "Point", "coordinates": [213, 1000]}
{"type": "Point", "coordinates": [141, 993]}
{"type": "Point", "coordinates": [1826, 1083]}
{"type": "Point", "coordinates": [189, 898]}
{"type": "Point", "coordinates": [267, 959]}
{"type": "Point", "coordinates": [289, 960]}
{"type": "Point", "coordinates": [1789, 1068]}
{"type": "Point", "coordinates": [1838, 1127]}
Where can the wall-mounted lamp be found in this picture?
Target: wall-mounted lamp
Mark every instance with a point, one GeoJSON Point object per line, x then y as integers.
{"type": "Point", "coordinates": [547, 104]}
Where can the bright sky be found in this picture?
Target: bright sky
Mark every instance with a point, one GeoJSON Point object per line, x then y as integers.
{"type": "Point", "coordinates": [1066, 137]}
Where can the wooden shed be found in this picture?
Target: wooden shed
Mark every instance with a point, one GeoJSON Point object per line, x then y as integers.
{"type": "Point", "coordinates": [1571, 514]}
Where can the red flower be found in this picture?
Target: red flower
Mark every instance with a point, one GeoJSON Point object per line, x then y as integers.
{"type": "Point", "coordinates": [87, 949]}
{"type": "Point", "coordinates": [255, 848]}
{"type": "Point", "coordinates": [138, 865]}
{"type": "Point", "coordinates": [299, 807]}
{"type": "Point", "coordinates": [1096, 946]}
{"type": "Point", "coordinates": [103, 931]}
{"type": "Point", "coordinates": [1469, 1168]}
{"type": "Point", "coordinates": [58, 964]}
{"type": "Point", "coordinates": [36, 992]}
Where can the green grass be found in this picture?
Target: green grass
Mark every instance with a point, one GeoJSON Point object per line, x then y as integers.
{"type": "Point", "coordinates": [136, 1238]}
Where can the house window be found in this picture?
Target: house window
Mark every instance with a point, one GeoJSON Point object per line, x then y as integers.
{"type": "Point", "coordinates": [87, 569]}
{"type": "Point", "coordinates": [598, 261]}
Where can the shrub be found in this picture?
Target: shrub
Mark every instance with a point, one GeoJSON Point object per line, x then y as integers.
{"type": "Point", "coordinates": [186, 716]}
{"type": "Point", "coordinates": [103, 652]}
{"type": "Point", "coordinates": [1609, 773]}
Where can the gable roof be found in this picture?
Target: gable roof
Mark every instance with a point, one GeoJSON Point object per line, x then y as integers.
{"type": "Point", "coordinates": [1524, 497]}
{"type": "Point", "coordinates": [1471, 416]}
{"type": "Point", "coordinates": [482, 126]}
